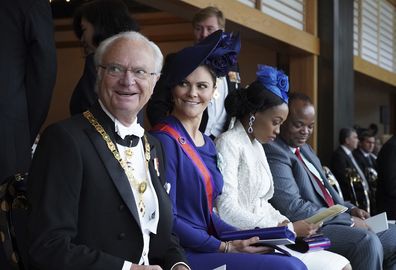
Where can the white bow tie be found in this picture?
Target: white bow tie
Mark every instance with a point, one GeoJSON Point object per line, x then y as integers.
{"type": "Point", "coordinates": [134, 129]}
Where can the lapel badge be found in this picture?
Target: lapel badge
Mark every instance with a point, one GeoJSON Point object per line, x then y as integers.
{"type": "Point", "coordinates": [182, 140]}
{"type": "Point", "coordinates": [156, 166]}
{"type": "Point", "coordinates": [167, 187]}
{"type": "Point", "coordinates": [234, 77]}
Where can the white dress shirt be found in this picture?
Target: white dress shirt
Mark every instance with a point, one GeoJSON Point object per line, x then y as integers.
{"type": "Point", "coordinates": [217, 114]}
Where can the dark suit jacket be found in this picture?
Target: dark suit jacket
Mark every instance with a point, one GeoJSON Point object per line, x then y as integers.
{"type": "Point", "coordinates": [362, 161]}
{"type": "Point", "coordinates": [84, 95]}
{"type": "Point", "coordinates": [386, 193]}
{"type": "Point", "coordinates": [338, 164]}
{"type": "Point", "coordinates": [84, 214]}
{"type": "Point", "coordinates": [297, 194]}
{"type": "Point", "coordinates": [160, 105]}
{"type": "Point", "coordinates": [27, 78]}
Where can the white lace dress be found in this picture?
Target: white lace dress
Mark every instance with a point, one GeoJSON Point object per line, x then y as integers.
{"type": "Point", "coordinates": [248, 185]}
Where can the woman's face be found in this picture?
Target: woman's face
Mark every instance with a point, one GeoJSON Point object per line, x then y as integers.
{"type": "Point", "coordinates": [87, 30]}
{"type": "Point", "coordinates": [267, 124]}
{"type": "Point", "coordinates": [192, 95]}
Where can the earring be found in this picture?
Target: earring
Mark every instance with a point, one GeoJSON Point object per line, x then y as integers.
{"type": "Point", "coordinates": [251, 120]}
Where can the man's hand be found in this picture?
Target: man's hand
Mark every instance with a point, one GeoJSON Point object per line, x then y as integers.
{"type": "Point", "coordinates": [359, 223]}
{"type": "Point", "coordinates": [360, 213]}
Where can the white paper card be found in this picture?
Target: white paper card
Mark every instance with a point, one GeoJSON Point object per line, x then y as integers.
{"type": "Point", "coordinates": [223, 267]}
{"type": "Point", "coordinates": [378, 223]}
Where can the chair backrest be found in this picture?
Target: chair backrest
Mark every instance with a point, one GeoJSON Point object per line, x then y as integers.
{"type": "Point", "coordinates": [13, 218]}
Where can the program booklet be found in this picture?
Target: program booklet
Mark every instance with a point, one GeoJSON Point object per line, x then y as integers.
{"type": "Point", "coordinates": [272, 235]}
{"type": "Point", "coordinates": [378, 223]}
{"type": "Point", "coordinates": [327, 214]}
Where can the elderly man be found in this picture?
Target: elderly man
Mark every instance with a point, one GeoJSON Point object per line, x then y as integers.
{"type": "Point", "coordinates": [97, 181]}
{"type": "Point", "coordinates": [215, 119]}
{"type": "Point", "coordinates": [301, 190]}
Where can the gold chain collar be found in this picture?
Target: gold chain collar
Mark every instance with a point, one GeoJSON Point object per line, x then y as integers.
{"type": "Point", "coordinates": [142, 186]}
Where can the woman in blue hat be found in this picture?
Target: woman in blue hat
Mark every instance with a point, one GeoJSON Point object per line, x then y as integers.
{"type": "Point", "coordinates": [191, 163]}
{"type": "Point", "coordinates": [260, 109]}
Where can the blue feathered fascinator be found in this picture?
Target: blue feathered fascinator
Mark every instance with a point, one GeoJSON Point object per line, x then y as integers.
{"type": "Point", "coordinates": [274, 80]}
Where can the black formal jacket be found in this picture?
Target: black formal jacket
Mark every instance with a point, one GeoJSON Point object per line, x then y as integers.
{"type": "Point", "coordinates": [27, 78]}
{"type": "Point", "coordinates": [84, 95]}
{"type": "Point", "coordinates": [84, 215]}
{"type": "Point", "coordinates": [386, 164]}
{"type": "Point", "coordinates": [339, 162]}
{"type": "Point", "coordinates": [160, 105]}
{"type": "Point", "coordinates": [362, 161]}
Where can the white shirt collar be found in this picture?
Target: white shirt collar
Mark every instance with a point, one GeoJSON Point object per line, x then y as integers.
{"type": "Point", "coordinates": [346, 150]}
{"type": "Point", "coordinates": [120, 129]}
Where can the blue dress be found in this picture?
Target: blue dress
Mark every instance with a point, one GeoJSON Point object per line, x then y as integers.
{"type": "Point", "coordinates": [193, 223]}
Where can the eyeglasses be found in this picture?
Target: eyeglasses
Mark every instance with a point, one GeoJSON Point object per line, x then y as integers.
{"type": "Point", "coordinates": [118, 71]}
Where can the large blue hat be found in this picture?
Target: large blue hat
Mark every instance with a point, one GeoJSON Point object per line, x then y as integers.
{"type": "Point", "coordinates": [218, 51]}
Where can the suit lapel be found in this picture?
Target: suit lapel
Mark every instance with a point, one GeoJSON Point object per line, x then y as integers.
{"type": "Point", "coordinates": [111, 164]}
{"type": "Point", "coordinates": [156, 176]}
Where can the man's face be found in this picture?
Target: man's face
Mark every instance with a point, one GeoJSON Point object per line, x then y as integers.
{"type": "Point", "coordinates": [123, 93]}
{"type": "Point", "coordinates": [206, 27]}
{"type": "Point", "coordinates": [351, 142]}
{"type": "Point", "coordinates": [299, 124]}
{"type": "Point", "coordinates": [367, 144]}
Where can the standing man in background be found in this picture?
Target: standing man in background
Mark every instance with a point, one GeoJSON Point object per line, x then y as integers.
{"type": "Point", "coordinates": [27, 78]}
{"type": "Point", "coordinates": [215, 119]}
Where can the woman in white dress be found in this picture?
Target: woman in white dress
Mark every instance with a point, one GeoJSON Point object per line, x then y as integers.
{"type": "Point", "coordinates": [259, 110]}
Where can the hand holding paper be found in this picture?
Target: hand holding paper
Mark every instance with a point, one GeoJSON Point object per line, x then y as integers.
{"type": "Point", "coordinates": [327, 214]}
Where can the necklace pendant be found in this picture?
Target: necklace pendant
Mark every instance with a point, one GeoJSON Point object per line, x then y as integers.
{"type": "Point", "coordinates": [142, 187]}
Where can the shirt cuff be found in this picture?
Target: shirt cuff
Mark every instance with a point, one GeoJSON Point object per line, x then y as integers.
{"type": "Point", "coordinates": [127, 265]}
{"type": "Point", "coordinates": [178, 263]}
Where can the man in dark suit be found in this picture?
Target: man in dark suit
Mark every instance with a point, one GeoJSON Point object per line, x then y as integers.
{"type": "Point", "coordinates": [97, 180]}
{"type": "Point", "coordinates": [367, 161]}
{"type": "Point", "coordinates": [301, 190]}
{"type": "Point", "coordinates": [215, 119]}
{"type": "Point", "coordinates": [343, 160]}
{"type": "Point", "coordinates": [27, 78]}
{"type": "Point", "coordinates": [364, 153]}
{"type": "Point", "coordinates": [386, 195]}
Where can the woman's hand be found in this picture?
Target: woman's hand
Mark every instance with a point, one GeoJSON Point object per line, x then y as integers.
{"type": "Point", "coordinates": [305, 229]}
{"type": "Point", "coordinates": [246, 246]}
{"type": "Point", "coordinates": [283, 223]}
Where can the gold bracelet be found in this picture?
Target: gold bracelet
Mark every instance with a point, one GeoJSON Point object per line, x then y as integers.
{"type": "Point", "coordinates": [227, 247]}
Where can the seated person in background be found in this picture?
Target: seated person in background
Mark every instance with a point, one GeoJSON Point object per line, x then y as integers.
{"type": "Point", "coordinates": [94, 205]}
{"type": "Point", "coordinates": [386, 195]}
{"type": "Point", "coordinates": [260, 109]}
{"type": "Point", "coordinates": [302, 190]}
{"type": "Point", "coordinates": [343, 160]}
{"type": "Point", "coordinates": [364, 153]}
{"type": "Point", "coordinates": [93, 22]}
{"type": "Point", "coordinates": [215, 119]}
{"type": "Point", "coordinates": [367, 162]}
{"type": "Point", "coordinates": [191, 167]}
